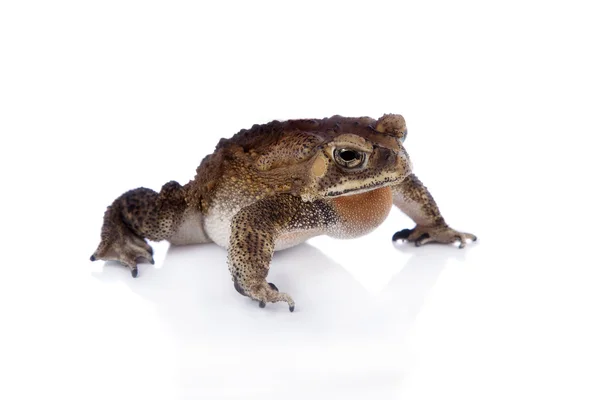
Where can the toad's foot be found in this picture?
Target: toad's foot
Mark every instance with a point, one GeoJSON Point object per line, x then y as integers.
{"type": "Point", "coordinates": [126, 249]}
{"type": "Point", "coordinates": [267, 292]}
{"type": "Point", "coordinates": [137, 214]}
{"type": "Point", "coordinates": [439, 233]}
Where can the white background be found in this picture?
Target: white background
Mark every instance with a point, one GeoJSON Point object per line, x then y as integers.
{"type": "Point", "coordinates": [501, 101]}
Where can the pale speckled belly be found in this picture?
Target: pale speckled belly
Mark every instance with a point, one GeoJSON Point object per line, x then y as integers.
{"type": "Point", "coordinates": [359, 214]}
{"type": "Point", "coordinates": [291, 239]}
{"type": "Point", "coordinates": [191, 230]}
{"type": "Point", "coordinates": [217, 224]}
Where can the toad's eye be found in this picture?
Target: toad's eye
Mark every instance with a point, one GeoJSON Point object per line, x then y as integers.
{"type": "Point", "coordinates": [349, 158]}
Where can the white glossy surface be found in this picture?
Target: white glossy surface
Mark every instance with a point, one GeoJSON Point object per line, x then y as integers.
{"type": "Point", "coordinates": [501, 105]}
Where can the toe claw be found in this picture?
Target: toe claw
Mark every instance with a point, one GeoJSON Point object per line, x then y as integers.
{"type": "Point", "coordinates": [273, 287]}
{"type": "Point", "coordinates": [134, 272]}
{"type": "Point", "coordinates": [403, 234]}
{"type": "Point", "coordinates": [262, 304]}
{"type": "Point", "coordinates": [292, 307]}
{"type": "Point", "coordinates": [93, 258]}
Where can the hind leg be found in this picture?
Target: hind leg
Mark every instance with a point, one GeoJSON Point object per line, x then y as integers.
{"type": "Point", "coordinates": [138, 214]}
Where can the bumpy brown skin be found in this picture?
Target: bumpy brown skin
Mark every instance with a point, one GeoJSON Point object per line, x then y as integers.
{"type": "Point", "coordinates": [138, 214]}
{"type": "Point", "coordinates": [274, 186]}
{"type": "Point", "coordinates": [252, 242]}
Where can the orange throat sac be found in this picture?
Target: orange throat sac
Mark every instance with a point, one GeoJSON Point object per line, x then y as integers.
{"type": "Point", "coordinates": [363, 212]}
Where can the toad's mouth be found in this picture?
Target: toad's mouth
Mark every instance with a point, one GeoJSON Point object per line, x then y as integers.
{"type": "Point", "coordinates": [375, 184]}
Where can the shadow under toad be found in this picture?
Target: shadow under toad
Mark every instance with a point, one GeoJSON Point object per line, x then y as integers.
{"type": "Point", "coordinates": [340, 334]}
{"type": "Point", "coordinates": [194, 296]}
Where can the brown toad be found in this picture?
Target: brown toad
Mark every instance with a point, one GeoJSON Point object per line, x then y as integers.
{"type": "Point", "coordinates": [274, 186]}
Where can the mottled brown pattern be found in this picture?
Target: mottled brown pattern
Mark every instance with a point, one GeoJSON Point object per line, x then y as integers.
{"type": "Point", "coordinates": [138, 214]}
{"type": "Point", "coordinates": [274, 185]}
{"type": "Point", "coordinates": [413, 198]}
{"type": "Point", "coordinates": [266, 148]}
{"type": "Point", "coordinates": [392, 124]}
{"type": "Point", "coordinates": [253, 235]}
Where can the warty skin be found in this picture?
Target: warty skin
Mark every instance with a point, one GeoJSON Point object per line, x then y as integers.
{"type": "Point", "coordinates": [274, 186]}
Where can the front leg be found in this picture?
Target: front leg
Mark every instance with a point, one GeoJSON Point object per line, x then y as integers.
{"type": "Point", "coordinates": [255, 232]}
{"type": "Point", "coordinates": [414, 200]}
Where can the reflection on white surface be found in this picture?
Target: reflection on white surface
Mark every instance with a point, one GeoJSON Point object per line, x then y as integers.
{"type": "Point", "coordinates": [339, 331]}
{"type": "Point", "coordinates": [181, 330]}
{"type": "Point", "coordinates": [97, 98]}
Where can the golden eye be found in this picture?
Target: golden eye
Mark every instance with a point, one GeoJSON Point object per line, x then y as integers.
{"type": "Point", "coordinates": [349, 158]}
